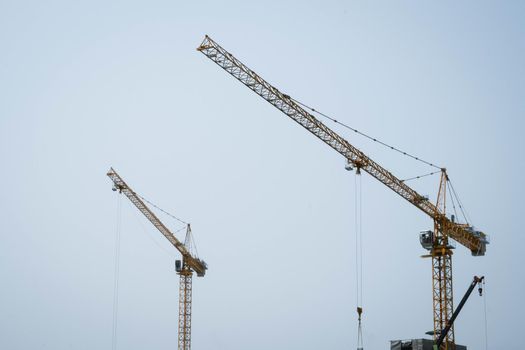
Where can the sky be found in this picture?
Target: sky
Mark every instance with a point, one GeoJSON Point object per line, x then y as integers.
{"type": "Point", "coordinates": [89, 85]}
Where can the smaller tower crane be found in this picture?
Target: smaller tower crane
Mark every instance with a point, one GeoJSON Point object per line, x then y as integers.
{"type": "Point", "coordinates": [185, 268]}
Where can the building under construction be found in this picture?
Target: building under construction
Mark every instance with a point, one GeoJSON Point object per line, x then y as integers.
{"type": "Point", "coordinates": [417, 344]}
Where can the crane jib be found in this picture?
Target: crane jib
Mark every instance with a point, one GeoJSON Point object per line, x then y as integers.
{"type": "Point", "coordinates": [474, 240]}
{"type": "Point", "coordinates": [195, 264]}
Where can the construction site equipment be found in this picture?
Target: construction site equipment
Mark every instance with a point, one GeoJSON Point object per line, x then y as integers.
{"type": "Point", "coordinates": [444, 228]}
{"type": "Point", "coordinates": [417, 344]}
{"type": "Point", "coordinates": [476, 281]}
{"type": "Point", "coordinates": [185, 268]}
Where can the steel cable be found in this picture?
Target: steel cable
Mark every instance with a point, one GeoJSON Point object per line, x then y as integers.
{"type": "Point", "coordinates": [162, 210]}
{"type": "Point", "coordinates": [116, 274]}
{"type": "Point", "coordinates": [365, 135]}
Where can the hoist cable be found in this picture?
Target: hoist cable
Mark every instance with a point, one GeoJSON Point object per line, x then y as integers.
{"type": "Point", "coordinates": [367, 136]}
{"type": "Point", "coordinates": [359, 254]}
{"type": "Point", "coordinates": [162, 210]}
{"type": "Point", "coordinates": [357, 242]}
{"type": "Point", "coordinates": [361, 240]}
{"type": "Point", "coordinates": [485, 311]}
{"type": "Point", "coordinates": [116, 274]}
{"type": "Point", "coordinates": [359, 336]}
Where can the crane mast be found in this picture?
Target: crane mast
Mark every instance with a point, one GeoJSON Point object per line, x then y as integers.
{"type": "Point", "coordinates": [185, 270]}
{"type": "Point", "coordinates": [444, 228]}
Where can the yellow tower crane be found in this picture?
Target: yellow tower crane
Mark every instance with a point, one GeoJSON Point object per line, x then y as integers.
{"type": "Point", "coordinates": [437, 241]}
{"type": "Point", "coordinates": [185, 269]}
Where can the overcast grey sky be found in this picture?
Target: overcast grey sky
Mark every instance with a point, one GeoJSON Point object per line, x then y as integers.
{"type": "Point", "coordinates": [86, 85]}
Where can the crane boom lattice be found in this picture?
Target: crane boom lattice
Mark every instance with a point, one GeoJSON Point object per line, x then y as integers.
{"type": "Point", "coordinates": [285, 104]}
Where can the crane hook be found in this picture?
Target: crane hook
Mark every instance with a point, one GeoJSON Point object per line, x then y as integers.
{"type": "Point", "coordinates": [480, 285]}
{"type": "Point", "coordinates": [359, 312]}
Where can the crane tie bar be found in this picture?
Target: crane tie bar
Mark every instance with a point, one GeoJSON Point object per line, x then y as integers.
{"type": "Point", "coordinates": [365, 135]}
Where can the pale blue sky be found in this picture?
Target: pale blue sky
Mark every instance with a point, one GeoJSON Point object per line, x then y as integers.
{"type": "Point", "coordinates": [86, 85]}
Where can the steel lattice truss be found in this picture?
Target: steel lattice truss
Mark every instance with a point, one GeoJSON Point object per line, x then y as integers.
{"type": "Point", "coordinates": [185, 289]}
{"type": "Point", "coordinates": [442, 297]}
{"type": "Point", "coordinates": [283, 102]}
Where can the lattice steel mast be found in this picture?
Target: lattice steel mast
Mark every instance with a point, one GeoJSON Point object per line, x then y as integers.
{"type": "Point", "coordinates": [441, 253]}
{"type": "Point", "coordinates": [185, 270]}
{"type": "Point", "coordinates": [444, 228]}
